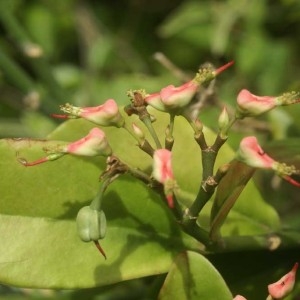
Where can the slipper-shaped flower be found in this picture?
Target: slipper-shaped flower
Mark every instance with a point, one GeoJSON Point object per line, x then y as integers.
{"type": "Point", "coordinates": [106, 114]}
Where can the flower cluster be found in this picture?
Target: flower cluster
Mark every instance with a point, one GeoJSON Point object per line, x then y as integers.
{"type": "Point", "coordinates": [91, 221]}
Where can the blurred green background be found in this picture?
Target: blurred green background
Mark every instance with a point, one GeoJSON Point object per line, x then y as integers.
{"type": "Point", "coordinates": [84, 52]}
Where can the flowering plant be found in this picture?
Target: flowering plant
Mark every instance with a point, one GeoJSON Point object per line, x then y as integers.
{"type": "Point", "coordinates": [169, 189]}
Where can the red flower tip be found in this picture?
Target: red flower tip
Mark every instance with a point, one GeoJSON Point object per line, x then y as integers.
{"type": "Point", "coordinates": [57, 116]}
{"type": "Point", "coordinates": [291, 181]}
{"type": "Point", "coordinates": [25, 163]}
{"type": "Point", "coordinates": [100, 249]}
{"type": "Point", "coordinates": [223, 68]}
{"type": "Point", "coordinates": [170, 200]}
{"type": "Point", "coordinates": [295, 267]}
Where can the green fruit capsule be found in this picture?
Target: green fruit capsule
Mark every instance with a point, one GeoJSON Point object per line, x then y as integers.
{"type": "Point", "coordinates": [91, 224]}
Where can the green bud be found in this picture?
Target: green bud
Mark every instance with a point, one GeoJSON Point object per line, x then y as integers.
{"type": "Point", "coordinates": [91, 224]}
{"type": "Point", "coordinates": [223, 123]}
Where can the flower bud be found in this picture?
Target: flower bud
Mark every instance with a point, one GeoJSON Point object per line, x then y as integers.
{"type": "Point", "coordinates": [284, 285]}
{"type": "Point", "coordinates": [138, 132]}
{"type": "Point", "coordinates": [251, 105]}
{"type": "Point", "coordinates": [223, 123]}
{"type": "Point", "coordinates": [91, 224]}
{"type": "Point", "coordinates": [171, 97]}
{"type": "Point", "coordinates": [162, 172]}
{"type": "Point", "coordinates": [94, 144]}
{"type": "Point", "coordinates": [106, 114]}
{"type": "Point", "coordinates": [251, 153]}
{"type": "Point", "coordinates": [162, 168]}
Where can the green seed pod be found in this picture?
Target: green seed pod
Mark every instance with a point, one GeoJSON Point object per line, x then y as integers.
{"type": "Point", "coordinates": [91, 224]}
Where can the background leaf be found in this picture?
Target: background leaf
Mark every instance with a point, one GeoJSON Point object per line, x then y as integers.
{"type": "Point", "coordinates": [192, 276]}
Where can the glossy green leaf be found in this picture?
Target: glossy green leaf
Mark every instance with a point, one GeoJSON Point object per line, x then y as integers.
{"type": "Point", "coordinates": [38, 205]}
{"type": "Point", "coordinates": [38, 230]}
{"type": "Point", "coordinates": [191, 277]}
{"type": "Point", "coordinates": [41, 252]}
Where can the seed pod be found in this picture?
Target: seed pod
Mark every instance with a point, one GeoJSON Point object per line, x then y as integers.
{"type": "Point", "coordinates": [91, 224]}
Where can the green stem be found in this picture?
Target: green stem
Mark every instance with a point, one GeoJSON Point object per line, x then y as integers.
{"type": "Point", "coordinates": [200, 139]}
{"type": "Point", "coordinates": [137, 173]}
{"type": "Point", "coordinates": [148, 124]}
{"type": "Point", "coordinates": [281, 240]}
{"type": "Point", "coordinates": [126, 127]}
{"type": "Point", "coordinates": [177, 209]}
{"type": "Point", "coordinates": [97, 201]}
{"type": "Point", "coordinates": [193, 229]}
{"type": "Point", "coordinates": [207, 188]}
{"type": "Point", "coordinates": [142, 143]}
{"type": "Point", "coordinates": [169, 141]}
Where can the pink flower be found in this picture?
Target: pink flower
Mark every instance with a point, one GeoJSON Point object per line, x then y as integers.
{"type": "Point", "coordinates": [239, 297]}
{"type": "Point", "coordinates": [162, 168]}
{"type": "Point", "coordinates": [284, 285]}
{"type": "Point", "coordinates": [172, 97]}
{"type": "Point", "coordinates": [94, 144]}
{"type": "Point", "coordinates": [253, 155]}
{"type": "Point", "coordinates": [162, 172]}
{"type": "Point", "coordinates": [106, 114]}
{"type": "Point", "coordinates": [251, 105]}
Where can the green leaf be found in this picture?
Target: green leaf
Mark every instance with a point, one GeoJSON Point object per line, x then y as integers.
{"type": "Point", "coordinates": [227, 194]}
{"type": "Point", "coordinates": [192, 276]}
{"type": "Point", "coordinates": [41, 252]}
{"type": "Point", "coordinates": [38, 239]}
